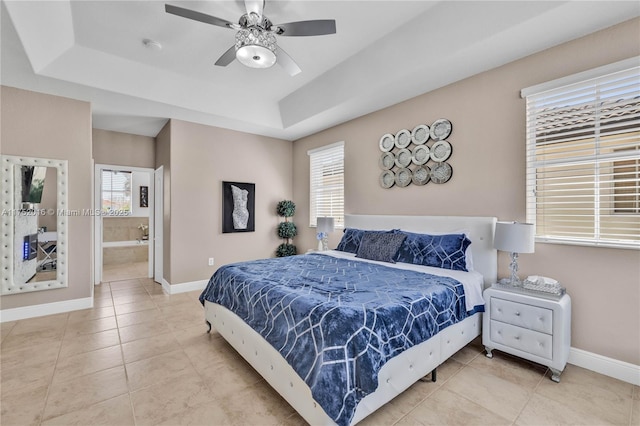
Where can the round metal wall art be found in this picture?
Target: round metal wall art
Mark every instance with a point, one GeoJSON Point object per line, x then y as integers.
{"type": "Point", "coordinates": [403, 158]}
{"type": "Point", "coordinates": [421, 175]}
{"type": "Point", "coordinates": [403, 177]}
{"type": "Point", "coordinates": [420, 155]}
{"type": "Point", "coordinates": [387, 142]}
{"type": "Point", "coordinates": [440, 129]}
{"type": "Point", "coordinates": [440, 151]}
{"type": "Point", "coordinates": [441, 173]}
{"type": "Point", "coordinates": [406, 155]}
{"type": "Point", "coordinates": [387, 179]}
{"type": "Point", "coordinates": [403, 138]}
{"type": "Point", "coordinates": [420, 134]}
{"type": "Point", "coordinates": [387, 160]}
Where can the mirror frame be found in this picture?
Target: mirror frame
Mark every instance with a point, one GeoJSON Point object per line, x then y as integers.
{"type": "Point", "coordinates": [10, 210]}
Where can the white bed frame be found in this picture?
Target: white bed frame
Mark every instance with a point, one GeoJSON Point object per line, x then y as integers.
{"type": "Point", "coordinates": [401, 371]}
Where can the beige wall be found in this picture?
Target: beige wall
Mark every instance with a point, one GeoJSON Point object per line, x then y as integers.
{"type": "Point", "coordinates": [123, 149]}
{"type": "Point", "coordinates": [45, 126]}
{"type": "Point", "coordinates": [488, 163]}
{"type": "Point", "coordinates": [201, 157]}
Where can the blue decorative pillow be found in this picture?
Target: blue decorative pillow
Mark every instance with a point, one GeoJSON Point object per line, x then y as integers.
{"type": "Point", "coordinates": [352, 237]}
{"type": "Point", "coordinates": [350, 240]}
{"type": "Point", "coordinates": [382, 246]}
{"type": "Point", "coordinates": [442, 251]}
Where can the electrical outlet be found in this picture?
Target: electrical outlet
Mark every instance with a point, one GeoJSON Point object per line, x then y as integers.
{"type": "Point", "coordinates": [211, 261]}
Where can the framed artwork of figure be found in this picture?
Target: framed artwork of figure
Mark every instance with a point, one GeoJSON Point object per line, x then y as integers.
{"type": "Point", "coordinates": [238, 207]}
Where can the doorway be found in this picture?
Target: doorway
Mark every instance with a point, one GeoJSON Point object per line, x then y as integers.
{"type": "Point", "coordinates": [124, 209]}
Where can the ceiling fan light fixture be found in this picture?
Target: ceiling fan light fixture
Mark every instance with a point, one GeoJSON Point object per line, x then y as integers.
{"type": "Point", "coordinates": [255, 48]}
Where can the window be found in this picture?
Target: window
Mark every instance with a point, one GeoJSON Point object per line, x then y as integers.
{"type": "Point", "coordinates": [583, 157]}
{"type": "Point", "coordinates": [116, 192]}
{"type": "Point", "coordinates": [327, 183]}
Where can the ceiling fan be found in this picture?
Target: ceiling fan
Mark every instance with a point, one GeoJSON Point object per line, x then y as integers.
{"type": "Point", "coordinates": [256, 44]}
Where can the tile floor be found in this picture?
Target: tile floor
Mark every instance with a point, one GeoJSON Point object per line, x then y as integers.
{"type": "Point", "coordinates": [141, 357]}
{"type": "Point", "coordinates": [127, 271]}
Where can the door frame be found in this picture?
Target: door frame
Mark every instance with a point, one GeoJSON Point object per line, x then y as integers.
{"type": "Point", "coordinates": [158, 220]}
{"type": "Point", "coordinates": [97, 216]}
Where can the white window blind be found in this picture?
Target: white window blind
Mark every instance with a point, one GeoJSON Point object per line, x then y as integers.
{"type": "Point", "coordinates": [116, 191]}
{"type": "Point", "coordinates": [327, 183]}
{"type": "Point", "coordinates": [583, 161]}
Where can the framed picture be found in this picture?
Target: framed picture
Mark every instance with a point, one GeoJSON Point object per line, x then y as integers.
{"type": "Point", "coordinates": [238, 207]}
{"type": "Point", "coordinates": [144, 196]}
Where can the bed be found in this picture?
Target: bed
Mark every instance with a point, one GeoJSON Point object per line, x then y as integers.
{"type": "Point", "coordinates": [306, 369]}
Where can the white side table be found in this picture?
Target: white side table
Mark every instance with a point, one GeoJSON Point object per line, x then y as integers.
{"type": "Point", "coordinates": [532, 326]}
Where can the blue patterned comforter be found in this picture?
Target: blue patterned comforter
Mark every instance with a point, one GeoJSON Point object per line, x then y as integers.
{"type": "Point", "coordinates": [337, 321]}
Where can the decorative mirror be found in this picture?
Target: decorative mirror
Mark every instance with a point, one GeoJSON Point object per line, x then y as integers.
{"type": "Point", "coordinates": [33, 253]}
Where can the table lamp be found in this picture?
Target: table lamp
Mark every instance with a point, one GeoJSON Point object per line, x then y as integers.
{"type": "Point", "coordinates": [515, 238]}
{"type": "Point", "coordinates": [324, 226]}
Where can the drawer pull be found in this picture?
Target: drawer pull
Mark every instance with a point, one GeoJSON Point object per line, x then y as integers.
{"type": "Point", "coordinates": [517, 337]}
{"type": "Point", "coordinates": [517, 314]}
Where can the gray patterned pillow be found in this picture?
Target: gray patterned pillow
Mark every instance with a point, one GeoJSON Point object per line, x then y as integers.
{"type": "Point", "coordinates": [382, 246]}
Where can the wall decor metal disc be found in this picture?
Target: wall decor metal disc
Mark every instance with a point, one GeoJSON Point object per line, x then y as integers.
{"type": "Point", "coordinates": [420, 134]}
{"type": "Point", "coordinates": [403, 158]}
{"type": "Point", "coordinates": [420, 155]}
{"type": "Point", "coordinates": [403, 138]}
{"type": "Point", "coordinates": [441, 173]}
{"type": "Point", "coordinates": [387, 179]}
{"type": "Point", "coordinates": [387, 142]}
{"type": "Point", "coordinates": [387, 160]}
{"type": "Point", "coordinates": [403, 177]}
{"type": "Point", "coordinates": [421, 175]}
{"type": "Point", "coordinates": [440, 151]}
{"type": "Point", "coordinates": [440, 129]}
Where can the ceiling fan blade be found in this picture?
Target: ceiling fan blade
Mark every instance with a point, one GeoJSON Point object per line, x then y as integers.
{"type": "Point", "coordinates": [227, 57]}
{"type": "Point", "coordinates": [255, 6]}
{"type": "Point", "coordinates": [307, 28]}
{"type": "Point", "coordinates": [285, 61]}
{"type": "Point", "coordinates": [197, 16]}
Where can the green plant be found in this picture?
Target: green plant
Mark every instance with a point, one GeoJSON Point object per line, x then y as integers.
{"type": "Point", "coordinates": [286, 208]}
{"type": "Point", "coordinates": [286, 249]}
{"type": "Point", "coordinates": [287, 230]}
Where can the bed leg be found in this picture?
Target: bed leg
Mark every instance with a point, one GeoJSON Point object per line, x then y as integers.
{"type": "Point", "coordinates": [209, 326]}
{"type": "Point", "coordinates": [433, 377]}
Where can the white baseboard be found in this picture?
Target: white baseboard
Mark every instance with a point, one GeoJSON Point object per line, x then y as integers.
{"type": "Point", "coordinates": [33, 311]}
{"type": "Point", "coordinates": [183, 287]}
{"type": "Point", "coordinates": [620, 370]}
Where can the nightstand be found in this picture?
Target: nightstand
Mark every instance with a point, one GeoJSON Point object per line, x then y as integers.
{"type": "Point", "coordinates": [532, 326]}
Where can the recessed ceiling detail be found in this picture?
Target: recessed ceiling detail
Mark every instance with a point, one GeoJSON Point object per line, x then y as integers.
{"type": "Point", "coordinates": [384, 52]}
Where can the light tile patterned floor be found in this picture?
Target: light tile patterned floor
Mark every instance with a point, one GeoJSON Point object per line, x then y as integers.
{"type": "Point", "coordinates": [141, 357]}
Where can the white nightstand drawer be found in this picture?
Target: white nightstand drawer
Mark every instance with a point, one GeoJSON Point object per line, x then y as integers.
{"type": "Point", "coordinates": [529, 341]}
{"type": "Point", "coordinates": [522, 315]}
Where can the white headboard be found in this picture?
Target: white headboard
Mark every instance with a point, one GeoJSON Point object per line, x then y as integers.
{"type": "Point", "coordinates": [479, 230]}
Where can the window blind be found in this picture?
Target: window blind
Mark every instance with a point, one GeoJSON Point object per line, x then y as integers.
{"type": "Point", "coordinates": [583, 161]}
{"type": "Point", "coordinates": [116, 191]}
{"type": "Point", "coordinates": [326, 192]}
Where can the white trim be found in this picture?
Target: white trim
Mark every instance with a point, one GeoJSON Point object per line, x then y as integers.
{"type": "Point", "coordinates": [183, 287]}
{"type": "Point", "coordinates": [15, 314]}
{"type": "Point", "coordinates": [98, 225]}
{"type": "Point", "coordinates": [620, 370]}
{"type": "Point", "coordinates": [581, 76]}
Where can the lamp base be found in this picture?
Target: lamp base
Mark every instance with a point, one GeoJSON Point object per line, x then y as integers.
{"type": "Point", "coordinates": [513, 266]}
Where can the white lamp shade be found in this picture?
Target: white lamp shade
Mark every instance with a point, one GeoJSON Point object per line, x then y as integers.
{"type": "Point", "coordinates": [514, 237]}
{"type": "Point", "coordinates": [325, 224]}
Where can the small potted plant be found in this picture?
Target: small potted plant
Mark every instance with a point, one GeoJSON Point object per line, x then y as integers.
{"type": "Point", "coordinates": [287, 229]}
